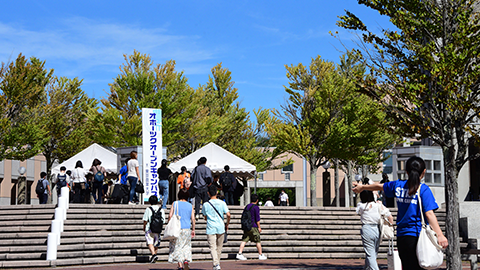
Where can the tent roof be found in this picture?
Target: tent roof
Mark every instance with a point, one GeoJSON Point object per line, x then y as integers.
{"type": "Point", "coordinates": [87, 155]}
{"type": "Point", "coordinates": [217, 158]}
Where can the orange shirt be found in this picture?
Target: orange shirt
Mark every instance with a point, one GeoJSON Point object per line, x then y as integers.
{"type": "Point", "coordinates": [180, 179]}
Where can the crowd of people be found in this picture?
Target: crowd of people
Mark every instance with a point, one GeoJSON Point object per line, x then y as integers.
{"type": "Point", "coordinates": [203, 196]}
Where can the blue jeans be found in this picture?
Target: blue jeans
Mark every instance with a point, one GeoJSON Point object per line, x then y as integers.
{"type": "Point", "coordinates": [371, 243]}
{"type": "Point", "coordinates": [97, 191]}
{"type": "Point", "coordinates": [133, 184]}
{"type": "Point", "coordinates": [163, 192]}
{"type": "Point", "coordinates": [229, 197]}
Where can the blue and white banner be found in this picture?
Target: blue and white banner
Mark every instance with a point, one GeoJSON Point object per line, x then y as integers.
{"type": "Point", "coordinates": [152, 149]}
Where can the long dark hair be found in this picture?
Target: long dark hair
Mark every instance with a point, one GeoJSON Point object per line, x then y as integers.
{"type": "Point", "coordinates": [415, 167]}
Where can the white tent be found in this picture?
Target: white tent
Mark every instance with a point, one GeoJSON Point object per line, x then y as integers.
{"type": "Point", "coordinates": [107, 157]}
{"type": "Point", "coordinates": [217, 158]}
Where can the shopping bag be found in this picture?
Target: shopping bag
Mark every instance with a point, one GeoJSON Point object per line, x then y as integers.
{"type": "Point", "coordinates": [429, 252]}
{"type": "Point", "coordinates": [172, 230]}
{"type": "Point", "coordinates": [393, 259]}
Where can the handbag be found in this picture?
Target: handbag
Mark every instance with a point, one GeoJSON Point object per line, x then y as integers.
{"type": "Point", "coordinates": [172, 230]}
{"type": "Point", "coordinates": [429, 252]}
{"type": "Point", "coordinates": [386, 228]}
{"type": "Point", "coordinates": [139, 187]}
{"type": "Point", "coordinates": [225, 238]}
{"type": "Point", "coordinates": [393, 259]}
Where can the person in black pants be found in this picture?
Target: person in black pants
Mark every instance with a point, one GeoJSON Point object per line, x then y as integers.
{"type": "Point", "coordinates": [201, 179]}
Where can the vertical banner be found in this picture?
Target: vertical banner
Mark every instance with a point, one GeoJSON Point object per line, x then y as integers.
{"type": "Point", "coordinates": [152, 149]}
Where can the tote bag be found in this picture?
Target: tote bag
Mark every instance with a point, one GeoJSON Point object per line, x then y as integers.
{"type": "Point", "coordinates": [386, 228]}
{"type": "Point", "coordinates": [172, 230]}
{"type": "Point", "coordinates": [429, 252]}
{"type": "Point", "coordinates": [393, 259]}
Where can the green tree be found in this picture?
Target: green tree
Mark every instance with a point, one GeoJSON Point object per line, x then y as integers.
{"type": "Point", "coordinates": [22, 89]}
{"type": "Point", "coordinates": [141, 86]}
{"type": "Point", "coordinates": [429, 81]}
{"type": "Point", "coordinates": [64, 118]}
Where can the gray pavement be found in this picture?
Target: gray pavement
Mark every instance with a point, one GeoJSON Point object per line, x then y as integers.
{"type": "Point", "coordinates": [275, 264]}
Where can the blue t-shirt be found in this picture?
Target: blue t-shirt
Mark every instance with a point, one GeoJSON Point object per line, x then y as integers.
{"type": "Point", "coordinates": [215, 224]}
{"type": "Point", "coordinates": [185, 212]}
{"type": "Point", "coordinates": [123, 172]}
{"type": "Point", "coordinates": [409, 221]}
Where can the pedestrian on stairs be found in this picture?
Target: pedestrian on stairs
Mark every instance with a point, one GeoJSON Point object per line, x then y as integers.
{"type": "Point", "coordinates": [369, 212]}
{"type": "Point", "coordinates": [153, 239]}
{"type": "Point", "coordinates": [213, 211]}
{"type": "Point", "coordinates": [181, 247]}
{"type": "Point", "coordinates": [254, 234]}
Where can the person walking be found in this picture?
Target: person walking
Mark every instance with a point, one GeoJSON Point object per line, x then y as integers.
{"type": "Point", "coordinates": [123, 184]}
{"type": "Point", "coordinates": [43, 196]}
{"type": "Point", "coordinates": [254, 234]}
{"type": "Point", "coordinates": [214, 211]}
{"type": "Point", "coordinates": [181, 178]}
{"type": "Point", "coordinates": [228, 183]}
{"type": "Point", "coordinates": [269, 202]}
{"type": "Point", "coordinates": [133, 175]}
{"type": "Point", "coordinates": [153, 239]}
{"type": "Point", "coordinates": [201, 179]}
{"type": "Point", "coordinates": [180, 249]}
{"type": "Point", "coordinates": [409, 221]}
{"type": "Point", "coordinates": [62, 180]}
{"type": "Point", "coordinates": [99, 174]}
{"type": "Point", "coordinates": [283, 199]}
{"type": "Point", "coordinates": [370, 214]}
{"type": "Point", "coordinates": [79, 181]}
{"type": "Point", "coordinates": [163, 175]}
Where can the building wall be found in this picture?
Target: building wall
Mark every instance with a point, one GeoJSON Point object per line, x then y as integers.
{"type": "Point", "coordinates": [9, 176]}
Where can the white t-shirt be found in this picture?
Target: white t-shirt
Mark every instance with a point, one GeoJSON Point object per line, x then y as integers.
{"type": "Point", "coordinates": [78, 175]}
{"type": "Point", "coordinates": [283, 197]}
{"type": "Point", "coordinates": [269, 203]}
{"type": "Point", "coordinates": [369, 212]}
{"type": "Point", "coordinates": [131, 165]}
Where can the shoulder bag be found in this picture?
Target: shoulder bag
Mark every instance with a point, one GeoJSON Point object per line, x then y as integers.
{"type": "Point", "coordinates": [225, 240]}
{"type": "Point", "coordinates": [172, 230]}
{"type": "Point", "coordinates": [386, 228]}
{"type": "Point", "coordinates": [429, 252]}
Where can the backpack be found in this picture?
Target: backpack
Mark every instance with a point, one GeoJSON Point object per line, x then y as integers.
{"type": "Point", "coordinates": [227, 180]}
{"type": "Point", "coordinates": [40, 189]}
{"type": "Point", "coordinates": [61, 180]}
{"type": "Point", "coordinates": [156, 222]}
{"type": "Point", "coordinates": [246, 219]}
{"type": "Point", "coordinates": [99, 176]}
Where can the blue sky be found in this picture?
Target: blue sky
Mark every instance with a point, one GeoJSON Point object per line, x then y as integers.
{"type": "Point", "coordinates": [253, 39]}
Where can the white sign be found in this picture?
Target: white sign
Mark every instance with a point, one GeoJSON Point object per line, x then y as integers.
{"type": "Point", "coordinates": [152, 149]}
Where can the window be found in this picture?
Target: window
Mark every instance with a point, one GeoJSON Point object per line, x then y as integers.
{"type": "Point", "coordinates": [287, 176]}
{"type": "Point", "coordinates": [288, 169]}
{"type": "Point", "coordinates": [433, 175]}
{"type": "Point", "coordinates": [387, 164]}
{"type": "Point", "coordinates": [261, 175]}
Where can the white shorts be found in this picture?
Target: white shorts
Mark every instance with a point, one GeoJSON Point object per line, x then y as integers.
{"type": "Point", "coordinates": [151, 237]}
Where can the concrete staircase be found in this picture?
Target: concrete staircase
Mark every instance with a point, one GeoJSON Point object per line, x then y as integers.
{"type": "Point", "coordinates": [101, 234]}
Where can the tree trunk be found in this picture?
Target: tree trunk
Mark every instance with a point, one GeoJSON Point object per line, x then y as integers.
{"type": "Point", "coordinates": [350, 179]}
{"type": "Point", "coordinates": [337, 186]}
{"type": "Point", "coordinates": [313, 185]}
{"type": "Point", "coordinates": [452, 233]}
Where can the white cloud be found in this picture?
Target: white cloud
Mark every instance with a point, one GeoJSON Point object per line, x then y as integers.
{"type": "Point", "coordinates": [83, 44]}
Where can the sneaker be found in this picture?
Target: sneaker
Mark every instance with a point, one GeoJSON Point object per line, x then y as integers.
{"type": "Point", "coordinates": [131, 203]}
{"type": "Point", "coordinates": [262, 257]}
{"type": "Point", "coordinates": [197, 217]}
{"type": "Point", "coordinates": [186, 265]}
{"type": "Point", "coordinates": [153, 259]}
{"type": "Point", "coordinates": [217, 267]}
{"type": "Point", "coordinates": [241, 257]}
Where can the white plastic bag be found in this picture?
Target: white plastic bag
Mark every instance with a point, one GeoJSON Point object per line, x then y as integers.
{"type": "Point", "coordinates": [172, 230]}
{"type": "Point", "coordinates": [393, 259]}
{"type": "Point", "coordinates": [429, 252]}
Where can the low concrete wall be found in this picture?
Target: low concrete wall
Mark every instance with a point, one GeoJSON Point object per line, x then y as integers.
{"type": "Point", "coordinates": [469, 220]}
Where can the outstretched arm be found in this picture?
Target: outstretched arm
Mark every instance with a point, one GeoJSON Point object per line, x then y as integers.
{"type": "Point", "coordinates": [358, 187]}
{"type": "Point", "coordinates": [432, 220]}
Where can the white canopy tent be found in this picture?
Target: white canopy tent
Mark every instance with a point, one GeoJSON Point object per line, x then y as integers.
{"type": "Point", "coordinates": [217, 158]}
{"type": "Point", "coordinates": [107, 157]}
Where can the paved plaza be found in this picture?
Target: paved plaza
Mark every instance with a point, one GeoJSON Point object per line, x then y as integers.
{"type": "Point", "coordinates": [276, 264]}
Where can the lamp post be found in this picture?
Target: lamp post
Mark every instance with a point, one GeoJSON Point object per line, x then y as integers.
{"type": "Point", "coordinates": [22, 186]}
{"type": "Point", "coordinates": [326, 183]}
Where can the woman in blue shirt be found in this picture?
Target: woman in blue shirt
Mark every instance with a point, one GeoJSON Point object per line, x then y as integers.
{"type": "Point", "coordinates": [409, 221]}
